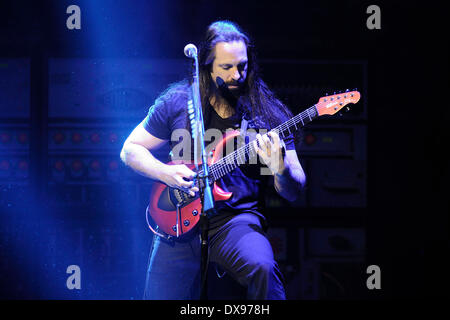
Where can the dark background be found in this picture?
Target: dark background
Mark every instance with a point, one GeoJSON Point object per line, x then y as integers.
{"type": "Point", "coordinates": [399, 70]}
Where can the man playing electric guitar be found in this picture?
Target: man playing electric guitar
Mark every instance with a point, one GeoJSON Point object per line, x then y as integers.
{"type": "Point", "coordinates": [232, 93]}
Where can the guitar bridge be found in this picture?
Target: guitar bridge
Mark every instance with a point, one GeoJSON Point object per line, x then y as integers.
{"type": "Point", "coordinates": [181, 196]}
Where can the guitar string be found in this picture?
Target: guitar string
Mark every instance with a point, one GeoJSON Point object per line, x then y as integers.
{"type": "Point", "coordinates": [222, 166]}
{"type": "Point", "coordinates": [231, 161]}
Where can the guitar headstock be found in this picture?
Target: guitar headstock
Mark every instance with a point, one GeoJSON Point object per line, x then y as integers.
{"type": "Point", "coordinates": [333, 103]}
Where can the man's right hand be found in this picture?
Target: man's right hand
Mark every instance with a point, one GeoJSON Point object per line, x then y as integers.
{"type": "Point", "coordinates": [179, 176]}
{"type": "Point", "coordinates": [136, 153]}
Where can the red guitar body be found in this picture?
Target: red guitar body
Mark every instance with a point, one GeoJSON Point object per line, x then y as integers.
{"type": "Point", "coordinates": [165, 200]}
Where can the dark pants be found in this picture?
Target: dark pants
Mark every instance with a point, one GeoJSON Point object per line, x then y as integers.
{"type": "Point", "coordinates": [239, 247]}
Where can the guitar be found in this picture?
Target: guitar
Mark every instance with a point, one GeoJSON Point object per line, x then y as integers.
{"type": "Point", "coordinates": [176, 212]}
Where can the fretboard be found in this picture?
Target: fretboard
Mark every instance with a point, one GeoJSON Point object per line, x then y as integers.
{"type": "Point", "coordinates": [240, 156]}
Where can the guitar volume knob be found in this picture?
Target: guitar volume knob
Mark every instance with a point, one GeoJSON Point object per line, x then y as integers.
{"type": "Point", "coordinates": [186, 222]}
{"type": "Point", "coordinates": [194, 212]}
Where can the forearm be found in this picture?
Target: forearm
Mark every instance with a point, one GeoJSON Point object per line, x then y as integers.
{"type": "Point", "coordinates": [142, 161]}
{"type": "Point", "coordinates": [289, 182]}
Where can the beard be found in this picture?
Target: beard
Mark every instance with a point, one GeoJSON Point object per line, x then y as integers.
{"type": "Point", "coordinates": [237, 98]}
{"type": "Point", "coordinates": [231, 95]}
{"type": "Point", "coordinates": [235, 91]}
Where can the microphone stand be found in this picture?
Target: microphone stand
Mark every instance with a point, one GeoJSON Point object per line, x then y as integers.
{"type": "Point", "coordinates": [204, 186]}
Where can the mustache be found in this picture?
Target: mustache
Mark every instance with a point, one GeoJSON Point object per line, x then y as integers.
{"type": "Point", "coordinates": [226, 93]}
{"type": "Point", "coordinates": [221, 83]}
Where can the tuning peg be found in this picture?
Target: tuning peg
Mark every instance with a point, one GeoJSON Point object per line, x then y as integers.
{"type": "Point", "coordinates": [347, 109]}
{"type": "Point", "coordinates": [346, 90]}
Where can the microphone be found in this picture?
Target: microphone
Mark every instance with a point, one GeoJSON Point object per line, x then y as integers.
{"type": "Point", "coordinates": [190, 50]}
{"type": "Point", "coordinates": [220, 83]}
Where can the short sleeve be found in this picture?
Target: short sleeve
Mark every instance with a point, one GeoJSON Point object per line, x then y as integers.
{"type": "Point", "coordinates": [157, 120]}
{"type": "Point", "coordinates": [289, 142]}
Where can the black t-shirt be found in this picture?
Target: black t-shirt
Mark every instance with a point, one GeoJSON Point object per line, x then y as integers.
{"type": "Point", "coordinates": [246, 182]}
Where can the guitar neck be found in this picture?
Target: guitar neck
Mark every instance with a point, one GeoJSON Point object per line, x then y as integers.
{"type": "Point", "coordinates": [231, 161]}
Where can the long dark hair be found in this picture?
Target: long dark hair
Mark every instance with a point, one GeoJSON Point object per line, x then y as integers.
{"type": "Point", "coordinates": [259, 102]}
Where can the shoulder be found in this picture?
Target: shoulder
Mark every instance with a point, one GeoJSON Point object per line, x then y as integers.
{"type": "Point", "coordinates": [175, 93]}
{"type": "Point", "coordinates": [168, 111]}
{"type": "Point", "coordinates": [172, 100]}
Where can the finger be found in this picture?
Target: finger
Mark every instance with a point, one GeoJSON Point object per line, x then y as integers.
{"type": "Point", "coordinates": [268, 149]}
{"type": "Point", "coordinates": [275, 147]}
{"type": "Point", "coordinates": [257, 148]}
{"type": "Point", "coordinates": [255, 145]}
{"type": "Point", "coordinates": [262, 153]}
{"type": "Point", "coordinates": [261, 143]}
{"type": "Point", "coordinates": [275, 138]}
{"type": "Point", "coordinates": [256, 141]}
{"type": "Point", "coordinates": [193, 190]}
{"type": "Point", "coordinates": [267, 141]}
{"type": "Point", "coordinates": [188, 173]}
{"type": "Point", "coordinates": [185, 184]}
{"type": "Point", "coordinates": [260, 148]}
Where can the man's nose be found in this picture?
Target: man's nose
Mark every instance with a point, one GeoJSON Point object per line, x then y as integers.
{"type": "Point", "coordinates": [235, 75]}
